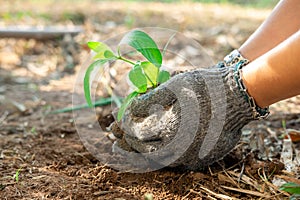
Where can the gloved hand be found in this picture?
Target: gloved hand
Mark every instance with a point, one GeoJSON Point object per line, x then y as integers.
{"type": "Point", "coordinates": [192, 120]}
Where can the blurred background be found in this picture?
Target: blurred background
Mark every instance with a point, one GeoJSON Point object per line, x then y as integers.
{"type": "Point", "coordinates": [43, 43]}
{"type": "Point", "coordinates": [219, 26]}
{"type": "Point", "coordinates": [43, 46]}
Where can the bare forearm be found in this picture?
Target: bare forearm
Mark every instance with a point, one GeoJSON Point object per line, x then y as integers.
{"type": "Point", "coordinates": [275, 75]}
{"type": "Point", "coordinates": [282, 23]}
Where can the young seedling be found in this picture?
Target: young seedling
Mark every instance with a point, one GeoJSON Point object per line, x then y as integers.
{"type": "Point", "coordinates": [143, 75]}
{"type": "Point", "coordinates": [16, 176]}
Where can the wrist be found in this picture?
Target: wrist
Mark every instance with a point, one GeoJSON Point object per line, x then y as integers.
{"type": "Point", "coordinates": [246, 54]}
{"type": "Point", "coordinates": [249, 81]}
{"type": "Point", "coordinates": [259, 110]}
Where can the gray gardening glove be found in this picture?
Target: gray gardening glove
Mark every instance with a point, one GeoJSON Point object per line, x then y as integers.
{"type": "Point", "coordinates": [192, 120]}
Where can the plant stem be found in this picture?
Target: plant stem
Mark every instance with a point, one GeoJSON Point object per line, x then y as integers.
{"type": "Point", "coordinates": [125, 60]}
{"type": "Point", "coordinates": [153, 85]}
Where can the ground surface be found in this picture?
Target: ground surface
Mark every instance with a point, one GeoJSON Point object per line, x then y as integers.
{"type": "Point", "coordinates": [41, 155]}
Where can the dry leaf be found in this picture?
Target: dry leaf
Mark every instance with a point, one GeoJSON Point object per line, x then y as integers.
{"type": "Point", "coordinates": [294, 135]}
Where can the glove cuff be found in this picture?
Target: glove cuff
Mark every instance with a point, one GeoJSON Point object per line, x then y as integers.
{"type": "Point", "coordinates": [238, 110]}
{"type": "Point", "coordinates": [233, 58]}
{"type": "Point", "coordinates": [257, 112]}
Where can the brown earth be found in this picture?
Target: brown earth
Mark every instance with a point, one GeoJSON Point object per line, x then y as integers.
{"type": "Point", "coordinates": [41, 155]}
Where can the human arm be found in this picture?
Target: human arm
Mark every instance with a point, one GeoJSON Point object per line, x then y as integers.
{"type": "Point", "coordinates": [275, 75]}
{"type": "Point", "coordinates": [282, 23]}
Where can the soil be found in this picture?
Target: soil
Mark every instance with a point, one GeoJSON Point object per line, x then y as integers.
{"type": "Point", "coordinates": [41, 154]}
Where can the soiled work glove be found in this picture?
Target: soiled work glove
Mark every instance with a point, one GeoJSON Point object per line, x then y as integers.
{"type": "Point", "coordinates": [192, 120]}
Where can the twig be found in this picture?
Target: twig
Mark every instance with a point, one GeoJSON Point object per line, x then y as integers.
{"type": "Point", "coordinates": [288, 179]}
{"type": "Point", "coordinates": [231, 179]}
{"type": "Point", "coordinates": [210, 171]}
{"type": "Point", "coordinates": [275, 188]}
{"type": "Point", "coordinates": [276, 195]}
{"type": "Point", "coordinates": [254, 193]}
{"type": "Point", "coordinates": [185, 197]}
{"type": "Point", "coordinates": [242, 172]}
{"type": "Point", "coordinates": [222, 196]}
{"type": "Point", "coordinates": [195, 192]}
{"type": "Point", "coordinates": [179, 178]}
{"type": "Point", "coordinates": [247, 180]}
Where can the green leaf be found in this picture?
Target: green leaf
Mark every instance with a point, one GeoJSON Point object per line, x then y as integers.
{"type": "Point", "coordinates": [16, 176]}
{"type": "Point", "coordinates": [102, 50]}
{"type": "Point", "coordinates": [98, 103]}
{"type": "Point", "coordinates": [86, 80]}
{"type": "Point", "coordinates": [109, 54]}
{"type": "Point", "coordinates": [151, 72]}
{"type": "Point", "coordinates": [163, 76]}
{"type": "Point", "coordinates": [144, 44]}
{"type": "Point", "coordinates": [125, 104]}
{"type": "Point", "coordinates": [98, 46]}
{"type": "Point", "coordinates": [138, 78]}
{"type": "Point", "coordinates": [291, 187]}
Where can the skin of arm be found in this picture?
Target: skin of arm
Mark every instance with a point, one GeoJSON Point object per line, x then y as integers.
{"type": "Point", "coordinates": [275, 75]}
{"type": "Point", "coordinates": [283, 22]}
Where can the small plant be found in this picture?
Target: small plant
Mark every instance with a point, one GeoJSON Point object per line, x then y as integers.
{"type": "Point", "coordinates": [143, 75]}
{"type": "Point", "coordinates": [16, 176]}
{"type": "Point", "coordinates": [33, 130]}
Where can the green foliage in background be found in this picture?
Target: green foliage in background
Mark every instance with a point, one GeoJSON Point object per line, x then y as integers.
{"type": "Point", "coordinates": [79, 18]}
{"type": "Point", "coordinates": [247, 3]}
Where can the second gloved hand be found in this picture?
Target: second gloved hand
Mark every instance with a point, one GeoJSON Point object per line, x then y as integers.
{"type": "Point", "coordinates": [192, 120]}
